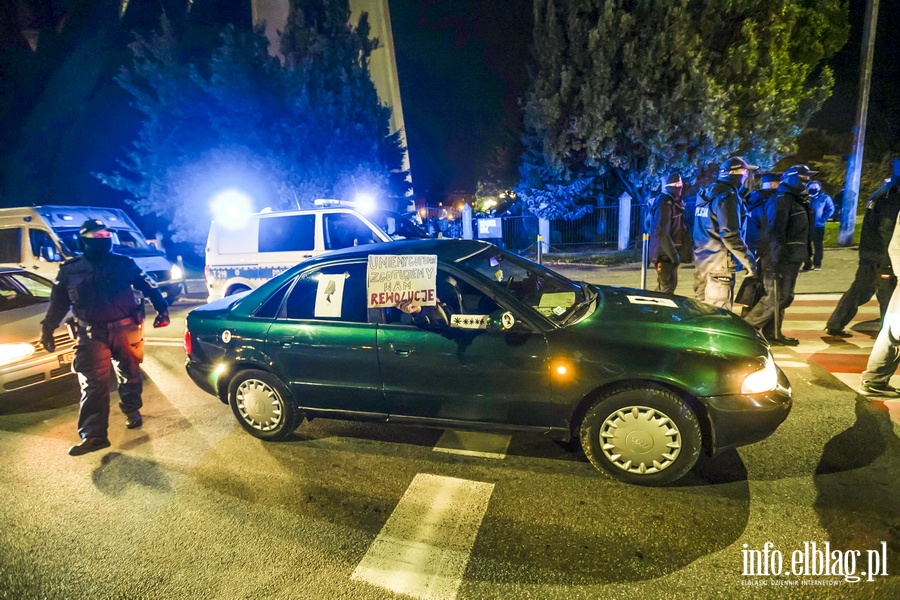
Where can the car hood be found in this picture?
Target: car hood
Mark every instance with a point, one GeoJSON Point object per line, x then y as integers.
{"type": "Point", "coordinates": [643, 315]}
{"type": "Point", "coordinates": [22, 324]}
{"type": "Point", "coordinates": [151, 263]}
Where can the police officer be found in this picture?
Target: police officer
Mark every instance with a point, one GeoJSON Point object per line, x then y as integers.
{"type": "Point", "coordinates": [874, 272]}
{"type": "Point", "coordinates": [667, 233]}
{"type": "Point", "coordinates": [99, 288]}
{"type": "Point", "coordinates": [822, 208]}
{"type": "Point", "coordinates": [787, 235]}
{"type": "Point", "coordinates": [719, 246]}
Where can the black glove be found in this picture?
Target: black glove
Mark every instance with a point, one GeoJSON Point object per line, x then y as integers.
{"type": "Point", "coordinates": [47, 341]}
{"type": "Point", "coordinates": [161, 320]}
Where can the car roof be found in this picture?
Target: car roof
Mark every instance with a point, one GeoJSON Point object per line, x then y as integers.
{"type": "Point", "coordinates": [447, 250]}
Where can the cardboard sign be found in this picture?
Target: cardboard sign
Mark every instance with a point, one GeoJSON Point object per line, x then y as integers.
{"type": "Point", "coordinates": [329, 295]}
{"type": "Point", "coordinates": [392, 279]}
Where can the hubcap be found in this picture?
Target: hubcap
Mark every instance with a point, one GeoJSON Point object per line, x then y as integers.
{"type": "Point", "coordinates": [641, 440]}
{"type": "Point", "coordinates": [259, 405]}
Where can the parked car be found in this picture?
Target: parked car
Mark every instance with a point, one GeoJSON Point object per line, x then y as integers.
{"type": "Point", "coordinates": [646, 381]}
{"type": "Point", "coordinates": [24, 362]}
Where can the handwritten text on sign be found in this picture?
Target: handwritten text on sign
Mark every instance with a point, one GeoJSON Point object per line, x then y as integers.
{"type": "Point", "coordinates": [393, 279]}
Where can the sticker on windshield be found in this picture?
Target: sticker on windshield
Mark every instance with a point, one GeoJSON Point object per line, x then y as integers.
{"type": "Point", "coordinates": [469, 321]}
{"type": "Point", "coordinates": [392, 279]}
{"type": "Point", "coordinates": [649, 301]}
{"type": "Point", "coordinates": [329, 295]}
{"type": "Point", "coordinates": [507, 320]}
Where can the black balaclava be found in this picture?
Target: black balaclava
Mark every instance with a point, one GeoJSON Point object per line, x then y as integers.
{"type": "Point", "coordinates": [95, 248]}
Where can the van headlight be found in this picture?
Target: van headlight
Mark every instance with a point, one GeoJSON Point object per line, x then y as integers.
{"type": "Point", "coordinates": [764, 380]}
{"type": "Point", "coordinates": [10, 353]}
{"type": "Point", "coordinates": [177, 273]}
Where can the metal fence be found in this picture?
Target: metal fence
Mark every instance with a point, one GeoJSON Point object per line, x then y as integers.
{"type": "Point", "coordinates": [597, 230]}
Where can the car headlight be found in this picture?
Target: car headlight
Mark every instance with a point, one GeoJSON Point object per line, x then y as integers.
{"type": "Point", "coordinates": [12, 352]}
{"type": "Point", "coordinates": [177, 273]}
{"type": "Point", "coordinates": [764, 380]}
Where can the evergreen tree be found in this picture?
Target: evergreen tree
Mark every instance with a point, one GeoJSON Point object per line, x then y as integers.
{"type": "Point", "coordinates": [285, 134]}
{"type": "Point", "coordinates": [634, 89]}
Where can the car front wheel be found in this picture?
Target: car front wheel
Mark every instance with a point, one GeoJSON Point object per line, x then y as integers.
{"type": "Point", "coordinates": [643, 435]}
{"type": "Point", "coordinates": [263, 405]}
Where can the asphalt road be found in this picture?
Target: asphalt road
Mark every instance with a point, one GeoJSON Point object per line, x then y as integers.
{"type": "Point", "coordinates": [190, 506]}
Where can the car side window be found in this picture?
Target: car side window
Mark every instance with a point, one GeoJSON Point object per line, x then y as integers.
{"type": "Point", "coordinates": [456, 297]}
{"type": "Point", "coordinates": [294, 233]}
{"type": "Point", "coordinates": [41, 239]}
{"type": "Point", "coordinates": [10, 245]}
{"type": "Point", "coordinates": [343, 230]}
{"type": "Point", "coordinates": [269, 309]}
{"type": "Point", "coordinates": [333, 293]}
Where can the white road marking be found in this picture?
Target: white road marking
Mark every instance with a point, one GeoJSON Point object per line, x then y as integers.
{"type": "Point", "coordinates": [791, 363]}
{"type": "Point", "coordinates": [424, 547]}
{"type": "Point", "coordinates": [472, 443]}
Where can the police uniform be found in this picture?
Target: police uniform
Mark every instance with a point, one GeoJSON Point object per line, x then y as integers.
{"type": "Point", "coordinates": [719, 246]}
{"type": "Point", "coordinates": [99, 288]}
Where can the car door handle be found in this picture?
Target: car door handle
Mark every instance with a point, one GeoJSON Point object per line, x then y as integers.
{"type": "Point", "coordinates": [285, 341]}
{"type": "Point", "coordinates": [402, 350]}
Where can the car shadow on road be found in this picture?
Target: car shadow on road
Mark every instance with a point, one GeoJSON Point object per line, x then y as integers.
{"type": "Point", "coordinates": [858, 483]}
{"type": "Point", "coordinates": [118, 472]}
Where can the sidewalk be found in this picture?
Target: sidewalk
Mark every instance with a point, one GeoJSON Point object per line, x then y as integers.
{"type": "Point", "coordinates": [838, 269]}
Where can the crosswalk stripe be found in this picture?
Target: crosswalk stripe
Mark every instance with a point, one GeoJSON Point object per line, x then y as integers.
{"type": "Point", "coordinates": [424, 547]}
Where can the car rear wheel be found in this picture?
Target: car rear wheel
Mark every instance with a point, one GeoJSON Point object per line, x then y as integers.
{"type": "Point", "coordinates": [643, 435]}
{"type": "Point", "coordinates": [263, 405]}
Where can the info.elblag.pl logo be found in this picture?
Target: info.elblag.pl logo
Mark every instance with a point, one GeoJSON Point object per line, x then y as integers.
{"type": "Point", "coordinates": [810, 563]}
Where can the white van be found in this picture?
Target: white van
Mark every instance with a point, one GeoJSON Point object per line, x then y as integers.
{"type": "Point", "coordinates": [241, 258]}
{"type": "Point", "coordinates": [39, 238]}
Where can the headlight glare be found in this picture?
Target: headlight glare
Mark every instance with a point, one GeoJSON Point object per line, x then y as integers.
{"type": "Point", "coordinates": [764, 380]}
{"type": "Point", "coordinates": [10, 353]}
{"type": "Point", "coordinates": [177, 273]}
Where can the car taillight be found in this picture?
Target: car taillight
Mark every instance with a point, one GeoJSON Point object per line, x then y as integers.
{"type": "Point", "coordinates": [206, 273]}
{"type": "Point", "coordinates": [188, 343]}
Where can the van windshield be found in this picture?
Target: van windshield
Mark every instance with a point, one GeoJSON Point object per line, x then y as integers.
{"type": "Point", "coordinates": [396, 225]}
{"type": "Point", "coordinates": [125, 241]}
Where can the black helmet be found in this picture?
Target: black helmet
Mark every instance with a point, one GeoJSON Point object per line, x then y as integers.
{"type": "Point", "coordinates": [799, 173]}
{"type": "Point", "coordinates": [734, 165]}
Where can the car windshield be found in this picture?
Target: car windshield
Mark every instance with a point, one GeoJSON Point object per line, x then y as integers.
{"type": "Point", "coordinates": [549, 293]}
{"type": "Point", "coordinates": [396, 225]}
{"type": "Point", "coordinates": [125, 242]}
{"type": "Point", "coordinates": [22, 289]}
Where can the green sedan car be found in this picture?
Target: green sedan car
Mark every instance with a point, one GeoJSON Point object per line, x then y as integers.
{"type": "Point", "coordinates": [461, 334]}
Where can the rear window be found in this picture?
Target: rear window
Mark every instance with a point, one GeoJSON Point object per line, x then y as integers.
{"type": "Point", "coordinates": [10, 246]}
{"type": "Point", "coordinates": [287, 234]}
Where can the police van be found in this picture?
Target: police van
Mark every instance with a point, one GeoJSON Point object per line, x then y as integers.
{"type": "Point", "coordinates": [241, 256]}
{"type": "Point", "coordinates": [39, 238]}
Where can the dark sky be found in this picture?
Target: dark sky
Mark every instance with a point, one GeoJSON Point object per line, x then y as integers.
{"type": "Point", "coordinates": [462, 66]}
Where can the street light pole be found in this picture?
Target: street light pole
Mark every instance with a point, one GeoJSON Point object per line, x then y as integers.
{"type": "Point", "coordinates": [854, 164]}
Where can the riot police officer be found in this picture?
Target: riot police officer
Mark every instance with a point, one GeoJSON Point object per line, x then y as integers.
{"type": "Point", "coordinates": [787, 236]}
{"type": "Point", "coordinates": [99, 288]}
{"type": "Point", "coordinates": [719, 219]}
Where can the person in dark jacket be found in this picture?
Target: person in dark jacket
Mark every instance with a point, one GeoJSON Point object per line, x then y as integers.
{"type": "Point", "coordinates": [99, 288]}
{"type": "Point", "coordinates": [787, 234]}
{"type": "Point", "coordinates": [874, 275]}
{"type": "Point", "coordinates": [667, 233]}
{"type": "Point", "coordinates": [822, 208]}
{"type": "Point", "coordinates": [885, 356]}
{"type": "Point", "coordinates": [719, 246]}
{"type": "Point", "coordinates": [760, 210]}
